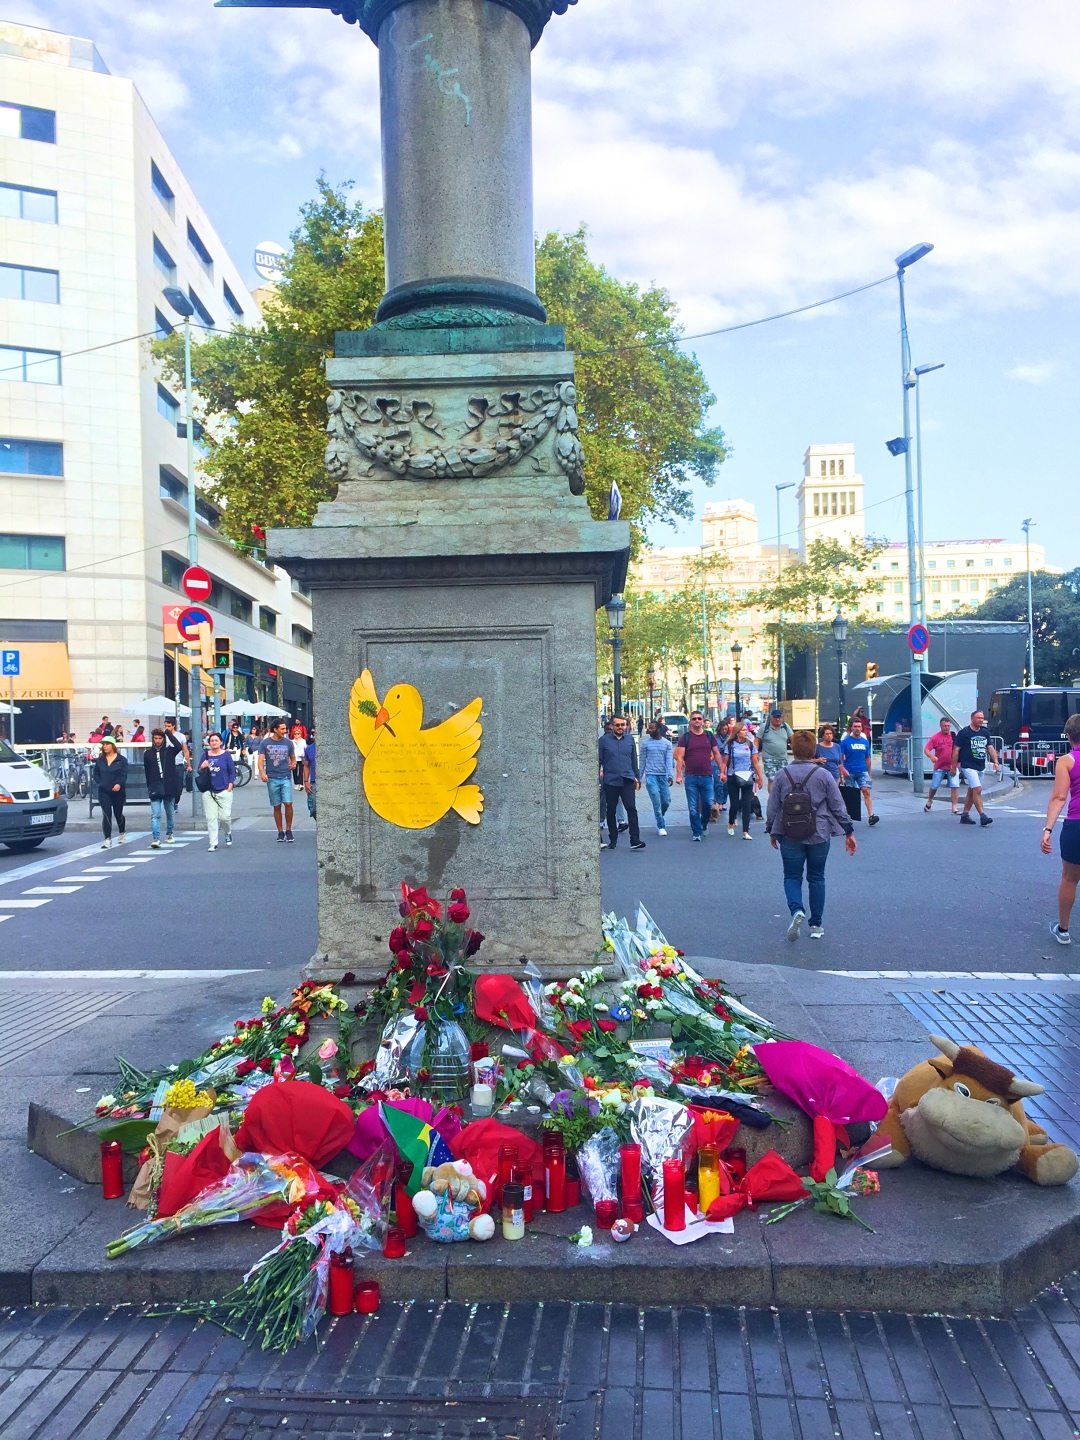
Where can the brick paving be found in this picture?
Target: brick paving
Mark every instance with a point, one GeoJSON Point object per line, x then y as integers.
{"type": "Point", "coordinates": [571, 1371]}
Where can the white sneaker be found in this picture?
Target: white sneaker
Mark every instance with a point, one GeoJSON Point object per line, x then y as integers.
{"type": "Point", "coordinates": [731, 830]}
{"type": "Point", "coordinates": [155, 844]}
{"type": "Point", "coordinates": [1061, 936]}
{"type": "Point", "coordinates": [747, 835]}
{"type": "Point", "coordinates": [168, 839]}
{"type": "Point", "coordinates": [796, 925]}
{"type": "Point", "coordinates": [120, 838]}
{"type": "Point", "coordinates": [106, 844]}
{"type": "Point", "coordinates": [816, 932]}
{"type": "Point", "coordinates": [660, 830]}
{"type": "Point", "coordinates": [211, 847]}
{"type": "Point", "coordinates": [228, 839]}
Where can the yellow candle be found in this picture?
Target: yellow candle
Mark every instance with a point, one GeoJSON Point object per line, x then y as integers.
{"type": "Point", "coordinates": [708, 1170]}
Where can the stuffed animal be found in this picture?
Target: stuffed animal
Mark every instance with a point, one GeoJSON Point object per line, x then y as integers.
{"type": "Point", "coordinates": [449, 1204]}
{"type": "Point", "coordinates": [963, 1112]}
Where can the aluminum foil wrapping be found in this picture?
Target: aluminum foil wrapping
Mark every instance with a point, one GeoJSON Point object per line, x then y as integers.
{"type": "Point", "coordinates": [598, 1165]}
{"type": "Point", "coordinates": [402, 1034]}
{"type": "Point", "coordinates": [665, 1130]}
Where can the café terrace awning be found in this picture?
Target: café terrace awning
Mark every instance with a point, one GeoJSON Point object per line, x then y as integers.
{"type": "Point", "coordinates": [44, 671]}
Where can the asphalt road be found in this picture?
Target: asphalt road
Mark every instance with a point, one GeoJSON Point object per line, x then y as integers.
{"type": "Point", "coordinates": [922, 893]}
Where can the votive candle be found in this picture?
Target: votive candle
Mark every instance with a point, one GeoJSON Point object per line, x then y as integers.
{"type": "Point", "coordinates": [368, 1296]}
{"type": "Point", "coordinates": [555, 1180]}
{"type": "Point", "coordinates": [341, 1284]}
{"type": "Point", "coordinates": [394, 1244]}
{"type": "Point", "coordinates": [674, 1195]}
{"type": "Point", "coordinates": [708, 1176]}
{"type": "Point", "coordinates": [112, 1170]}
{"type": "Point", "coordinates": [607, 1212]}
{"type": "Point", "coordinates": [403, 1209]}
{"type": "Point", "coordinates": [630, 1173]}
{"type": "Point", "coordinates": [521, 1175]}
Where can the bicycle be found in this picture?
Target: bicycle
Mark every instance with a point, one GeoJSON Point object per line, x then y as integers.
{"type": "Point", "coordinates": [243, 771]}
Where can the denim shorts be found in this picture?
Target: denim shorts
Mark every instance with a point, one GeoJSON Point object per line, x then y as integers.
{"type": "Point", "coordinates": [940, 777]}
{"type": "Point", "coordinates": [280, 791]}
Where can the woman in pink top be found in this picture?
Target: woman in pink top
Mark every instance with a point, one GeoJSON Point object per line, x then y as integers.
{"type": "Point", "coordinates": [939, 749]}
{"type": "Point", "coordinates": [1066, 791]}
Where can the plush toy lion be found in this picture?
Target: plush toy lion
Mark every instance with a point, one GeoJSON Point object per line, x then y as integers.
{"type": "Point", "coordinates": [963, 1112]}
{"type": "Point", "coordinates": [450, 1202]}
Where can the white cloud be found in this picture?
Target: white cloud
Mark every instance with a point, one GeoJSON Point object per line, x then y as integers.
{"type": "Point", "coordinates": [1038, 372]}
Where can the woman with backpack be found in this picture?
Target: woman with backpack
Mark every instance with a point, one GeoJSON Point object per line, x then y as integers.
{"type": "Point", "coordinates": [741, 773]}
{"type": "Point", "coordinates": [805, 810]}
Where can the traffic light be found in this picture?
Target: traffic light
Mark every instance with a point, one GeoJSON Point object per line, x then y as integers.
{"type": "Point", "coordinates": [222, 653]}
{"type": "Point", "coordinates": [206, 646]}
{"type": "Point", "coordinates": [871, 669]}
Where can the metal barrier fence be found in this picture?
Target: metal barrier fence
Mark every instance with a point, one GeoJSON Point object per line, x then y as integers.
{"type": "Point", "coordinates": [896, 758]}
{"type": "Point", "coordinates": [1033, 759]}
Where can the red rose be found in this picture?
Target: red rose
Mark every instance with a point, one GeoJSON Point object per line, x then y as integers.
{"type": "Point", "coordinates": [266, 1066]}
{"type": "Point", "coordinates": [404, 960]}
{"type": "Point", "coordinates": [473, 940]}
{"type": "Point", "coordinates": [579, 1029]}
{"type": "Point", "coordinates": [360, 1008]}
{"type": "Point", "coordinates": [343, 1091]}
{"type": "Point", "coordinates": [245, 1067]}
{"type": "Point", "coordinates": [416, 994]}
{"type": "Point", "coordinates": [458, 894]}
{"type": "Point", "coordinates": [458, 912]}
{"type": "Point", "coordinates": [607, 1025]}
{"type": "Point", "coordinates": [292, 1042]}
{"type": "Point", "coordinates": [421, 1012]}
{"type": "Point", "coordinates": [348, 978]}
{"type": "Point", "coordinates": [423, 929]}
{"type": "Point", "coordinates": [423, 1075]}
{"type": "Point", "coordinates": [255, 1024]}
{"type": "Point", "coordinates": [398, 939]}
{"type": "Point", "coordinates": [436, 971]}
{"type": "Point", "coordinates": [367, 1067]}
{"type": "Point", "coordinates": [238, 1024]}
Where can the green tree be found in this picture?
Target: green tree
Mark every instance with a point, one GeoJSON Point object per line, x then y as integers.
{"type": "Point", "coordinates": [261, 390]}
{"type": "Point", "coordinates": [1055, 613]}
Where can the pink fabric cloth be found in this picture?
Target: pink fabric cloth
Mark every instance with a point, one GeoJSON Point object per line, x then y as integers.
{"type": "Point", "coordinates": [941, 748]}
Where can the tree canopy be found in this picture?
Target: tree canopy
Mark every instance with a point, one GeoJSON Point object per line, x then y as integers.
{"type": "Point", "coordinates": [261, 390]}
{"type": "Point", "coordinates": [1055, 613]}
{"type": "Point", "coordinates": [833, 577]}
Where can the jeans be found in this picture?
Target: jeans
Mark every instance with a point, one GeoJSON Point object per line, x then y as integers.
{"type": "Point", "coordinates": [699, 799]}
{"type": "Point", "coordinates": [112, 803]}
{"type": "Point", "coordinates": [660, 795]}
{"type": "Point", "coordinates": [168, 804]}
{"type": "Point", "coordinates": [740, 796]}
{"type": "Point", "coordinates": [624, 790]}
{"type": "Point", "coordinates": [217, 807]}
{"type": "Point", "coordinates": [311, 801]}
{"type": "Point", "coordinates": [795, 854]}
{"type": "Point", "coordinates": [719, 786]}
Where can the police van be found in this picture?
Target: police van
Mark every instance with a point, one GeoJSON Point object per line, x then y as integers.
{"type": "Point", "coordinates": [32, 807]}
{"type": "Point", "coordinates": [1030, 719]}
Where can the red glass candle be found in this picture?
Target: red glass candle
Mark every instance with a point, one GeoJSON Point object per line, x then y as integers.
{"type": "Point", "coordinates": [341, 1284]}
{"type": "Point", "coordinates": [630, 1173]}
{"type": "Point", "coordinates": [523, 1177]}
{"type": "Point", "coordinates": [403, 1209]}
{"type": "Point", "coordinates": [634, 1211]}
{"type": "Point", "coordinates": [508, 1158]}
{"type": "Point", "coordinates": [607, 1212]}
{"type": "Point", "coordinates": [112, 1170]}
{"type": "Point", "coordinates": [674, 1195]}
{"type": "Point", "coordinates": [394, 1244]}
{"type": "Point", "coordinates": [736, 1160]}
{"type": "Point", "coordinates": [555, 1180]}
{"type": "Point", "coordinates": [573, 1183]}
{"type": "Point", "coordinates": [368, 1296]}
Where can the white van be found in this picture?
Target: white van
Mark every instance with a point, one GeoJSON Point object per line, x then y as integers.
{"type": "Point", "coordinates": [32, 807]}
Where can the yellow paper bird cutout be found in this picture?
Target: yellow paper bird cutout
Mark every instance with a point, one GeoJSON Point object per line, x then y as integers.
{"type": "Point", "coordinates": [413, 777]}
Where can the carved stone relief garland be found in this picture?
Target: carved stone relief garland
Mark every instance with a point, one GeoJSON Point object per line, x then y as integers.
{"type": "Point", "coordinates": [374, 435]}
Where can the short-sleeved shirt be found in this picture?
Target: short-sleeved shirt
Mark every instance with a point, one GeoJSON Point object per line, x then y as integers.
{"type": "Point", "coordinates": [309, 756]}
{"type": "Point", "coordinates": [831, 755]}
{"type": "Point", "coordinates": [697, 752]}
{"type": "Point", "coordinates": [774, 743]}
{"type": "Point", "coordinates": [940, 747]}
{"type": "Point", "coordinates": [972, 746]}
{"type": "Point", "coordinates": [278, 757]}
{"type": "Point", "coordinates": [856, 753]}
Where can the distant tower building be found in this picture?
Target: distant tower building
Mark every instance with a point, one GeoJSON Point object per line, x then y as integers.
{"type": "Point", "coordinates": [830, 496]}
{"type": "Point", "coordinates": [730, 525]}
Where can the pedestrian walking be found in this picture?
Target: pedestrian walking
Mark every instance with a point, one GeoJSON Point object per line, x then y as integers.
{"type": "Point", "coordinates": [695, 751]}
{"type": "Point", "coordinates": [971, 749]}
{"type": "Point", "coordinates": [298, 735]}
{"type": "Point", "coordinates": [939, 749]}
{"type": "Point", "coordinates": [827, 752]}
{"type": "Point", "coordinates": [138, 735]}
{"type": "Point", "coordinates": [620, 776]}
{"type": "Point", "coordinates": [118, 734]}
{"type": "Point", "coordinates": [110, 778]}
{"type": "Point", "coordinates": [234, 740]}
{"type": "Point", "coordinates": [855, 764]}
{"type": "Point", "coordinates": [277, 760]}
{"type": "Point", "coordinates": [658, 771]}
{"type": "Point", "coordinates": [309, 772]}
{"type": "Point", "coordinates": [741, 771]}
{"type": "Point", "coordinates": [177, 743]}
{"type": "Point", "coordinates": [105, 727]}
{"type": "Point", "coordinates": [805, 810]}
{"type": "Point", "coordinates": [773, 745]}
{"type": "Point", "coordinates": [159, 767]}
{"type": "Point", "coordinates": [217, 776]}
{"type": "Point", "coordinates": [254, 738]}
{"type": "Point", "coordinates": [1066, 791]}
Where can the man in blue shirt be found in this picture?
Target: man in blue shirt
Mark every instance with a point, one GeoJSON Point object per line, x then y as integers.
{"type": "Point", "coordinates": [855, 765]}
{"type": "Point", "coordinates": [620, 776]}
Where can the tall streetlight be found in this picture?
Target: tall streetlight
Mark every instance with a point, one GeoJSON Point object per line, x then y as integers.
{"type": "Point", "coordinates": [781, 679]}
{"type": "Point", "coordinates": [917, 374]}
{"type": "Point", "coordinates": [183, 307]}
{"type": "Point", "coordinates": [839, 630]}
{"type": "Point", "coordinates": [736, 652]}
{"type": "Point", "coordinates": [652, 686]}
{"type": "Point", "coordinates": [616, 615]}
{"type": "Point", "coordinates": [704, 639]}
{"type": "Point", "coordinates": [1026, 527]}
{"type": "Point", "coordinates": [904, 262]}
{"type": "Point", "coordinates": [684, 671]}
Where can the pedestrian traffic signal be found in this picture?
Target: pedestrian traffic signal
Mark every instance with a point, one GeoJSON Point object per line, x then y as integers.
{"type": "Point", "coordinates": [222, 653]}
{"type": "Point", "coordinates": [871, 669]}
{"type": "Point", "coordinates": [206, 646]}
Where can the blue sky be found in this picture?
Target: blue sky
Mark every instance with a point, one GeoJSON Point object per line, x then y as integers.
{"type": "Point", "coordinates": [748, 158]}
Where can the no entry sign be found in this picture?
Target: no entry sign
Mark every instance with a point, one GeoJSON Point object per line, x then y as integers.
{"type": "Point", "coordinates": [189, 620]}
{"type": "Point", "coordinates": [196, 583]}
{"type": "Point", "coordinates": [918, 637]}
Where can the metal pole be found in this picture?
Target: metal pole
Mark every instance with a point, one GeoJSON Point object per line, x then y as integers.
{"type": "Point", "coordinates": [11, 707]}
{"type": "Point", "coordinates": [193, 559]}
{"type": "Point", "coordinates": [616, 664]}
{"type": "Point", "coordinates": [915, 668]}
{"type": "Point", "coordinates": [704, 641]}
{"type": "Point", "coordinates": [1026, 527]}
{"type": "Point", "coordinates": [840, 684]}
{"type": "Point", "coordinates": [781, 677]}
{"type": "Point", "coordinates": [738, 705]}
{"type": "Point", "coordinates": [918, 485]}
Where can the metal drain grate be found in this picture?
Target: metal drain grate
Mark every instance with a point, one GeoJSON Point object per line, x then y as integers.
{"type": "Point", "coordinates": [1035, 1033]}
{"type": "Point", "coordinates": [323, 1417]}
{"type": "Point", "coordinates": [67, 1010]}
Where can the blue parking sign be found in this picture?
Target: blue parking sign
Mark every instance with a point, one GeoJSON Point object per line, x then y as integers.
{"type": "Point", "coordinates": [9, 662]}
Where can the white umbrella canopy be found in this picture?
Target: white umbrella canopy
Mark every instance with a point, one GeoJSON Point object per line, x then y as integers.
{"type": "Point", "coordinates": [154, 705]}
{"type": "Point", "coordinates": [257, 708]}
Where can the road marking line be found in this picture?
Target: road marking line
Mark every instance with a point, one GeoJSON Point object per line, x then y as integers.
{"type": "Point", "coordinates": [117, 865]}
{"type": "Point", "coordinates": [139, 859]}
{"type": "Point", "coordinates": [1028, 975]}
{"type": "Point", "coordinates": [26, 872]}
{"type": "Point", "coordinates": [52, 890]}
{"type": "Point", "coordinates": [23, 904]}
{"type": "Point", "coordinates": [119, 974]}
{"type": "Point", "coordinates": [98, 871]}
{"type": "Point", "coordinates": [5, 917]}
{"type": "Point", "coordinates": [84, 878]}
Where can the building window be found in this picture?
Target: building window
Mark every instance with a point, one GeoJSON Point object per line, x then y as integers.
{"type": "Point", "coordinates": [198, 249]}
{"type": "Point", "coordinates": [27, 122]}
{"type": "Point", "coordinates": [167, 407]}
{"type": "Point", "coordinates": [1007, 561]}
{"type": "Point", "coordinates": [894, 564]}
{"type": "Point", "coordinates": [25, 202]}
{"type": "Point", "coordinates": [973, 584]}
{"type": "Point", "coordinates": [200, 309]}
{"type": "Point", "coordinates": [988, 562]}
{"type": "Point", "coordinates": [301, 638]}
{"type": "Point", "coordinates": [898, 587]}
{"type": "Point", "coordinates": [31, 552]}
{"type": "Point", "coordinates": [165, 263]}
{"type": "Point", "coordinates": [880, 608]}
{"type": "Point", "coordinates": [231, 301]}
{"type": "Point", "coordinates": [36, 367]}
{"type": "Point", "coordinates": [817, 502]}
{"type": "Point", "coordinates": [823, 470]}
{"type": "Point", "coordinates": [27, 282]}
{"type": "Point", "coordinates": [969, 564]}
{"type": "Point", "coordinates": [935, 585]}
{"type": "Point", "coordinates": [171, 486]}
{"type": "Point", "coordinates": [954, 585]}
{"type": "Point", "coordinates": [851, 502]}
{"type": "Point", "coordinates": [843, 502]}
{"type": "Point", "coordinates": [172, 570]}
{"type": "Point", "coordinates": [993, 584]}
{"type": "Point", "coordinates": [31, 457]}
{"type": "Point", "coordinates": [162, 327]}
{"type": "Point", "coordinates": [832, 467]}
{"type": "Point", "coordinates": [931, 564]}
{"type": "Point", "coordinates": [937, 604]}
{"type": "Point", "coordinates": [207, 513]}
{"type": "Point", "coordinates": [840, 463]}
{"type": "Point", "coordinates": [161, 188]}
{"type": "Point", "coordinates": [300, 587]}
{"type": "Point", "coordinates": [267, 620]}
{"type": "Point", "coordinates": [898, 609]}
{"type": "Point", "coordinates": [950, 564]}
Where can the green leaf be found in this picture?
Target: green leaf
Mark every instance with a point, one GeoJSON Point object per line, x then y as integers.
{"type": "Point", "coordinates": [132, 1134]}
{"type": "Point", "coordinates": [830, 1177]}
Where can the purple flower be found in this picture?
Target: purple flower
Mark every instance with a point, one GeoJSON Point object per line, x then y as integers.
{"type": "Point", "coordinates": [562, 1103]}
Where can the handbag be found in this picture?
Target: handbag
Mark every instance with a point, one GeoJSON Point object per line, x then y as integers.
{"type": "Point", "coordinates": [204, 781]}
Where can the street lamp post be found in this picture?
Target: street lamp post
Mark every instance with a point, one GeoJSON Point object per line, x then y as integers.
{"type": "Point", "coordinates": [684, 671]}
{"type": "Point", "coordinates": [781, 678]}
{"type": "Point", "coordinates": [183, 307]}
{"type": "Point", "coordinates": [652, 686]}
{"type": "Point", "coordinates": [1026, 527]}
{"type": "Point", "coordinates": [839, 630]}
{"type": "Point", "coordinates": [918, 373]}
{"type": "Point", "coordinates": [616, 614]}
{"type": "Point", "coordinates": [903, 262]}
{"type": "Point", "coordinates": [736, 652]}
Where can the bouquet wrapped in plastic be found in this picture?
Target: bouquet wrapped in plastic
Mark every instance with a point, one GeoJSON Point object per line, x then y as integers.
{"type": "Point", "coordinates": [598, 1165]}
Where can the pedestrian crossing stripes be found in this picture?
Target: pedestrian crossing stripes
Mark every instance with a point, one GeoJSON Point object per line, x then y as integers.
{"type": "Point", "coordinates": [1028, 975]}
{"type": "Point", "coordinates": [52, 890]}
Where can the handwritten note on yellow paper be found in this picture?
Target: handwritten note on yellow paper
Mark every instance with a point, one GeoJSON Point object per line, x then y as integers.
{"type": "Point", "coordinates": [412, 776]}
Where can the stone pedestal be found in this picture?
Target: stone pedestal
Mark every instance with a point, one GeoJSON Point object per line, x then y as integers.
{"type": "Point", "coordinates": [456, 558]}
